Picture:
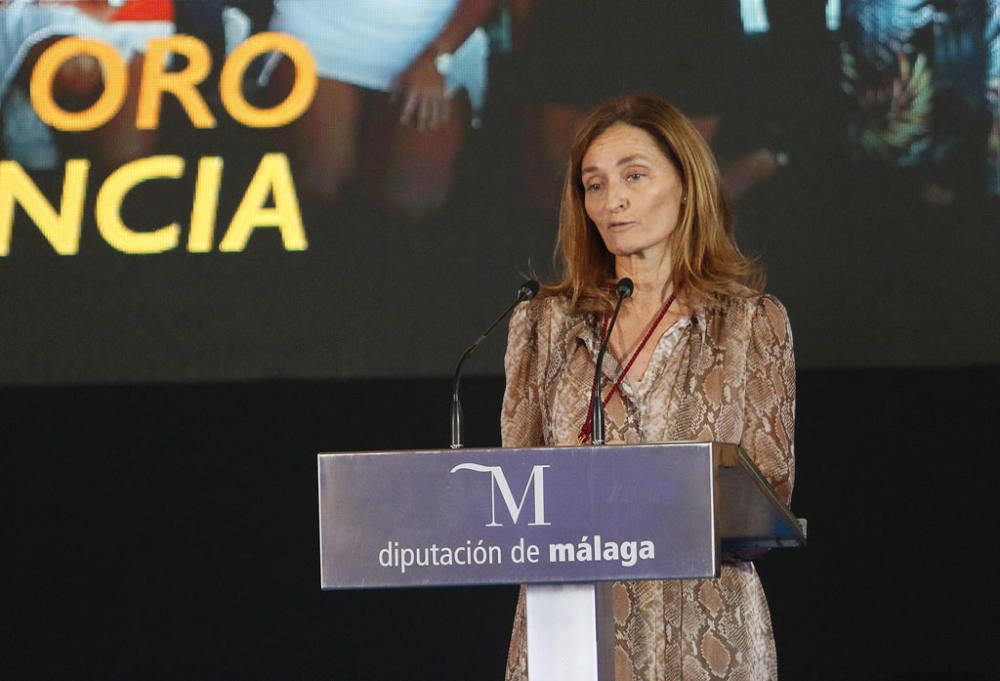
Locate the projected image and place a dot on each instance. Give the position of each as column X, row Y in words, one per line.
column 83, row 102
column 993, row 95
column 691, row 52
column 405, row 77
column 132, row 93
column 254, row 163
column 28, row 30
column 922, row 79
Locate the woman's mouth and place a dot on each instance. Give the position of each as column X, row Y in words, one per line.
column 620, row 225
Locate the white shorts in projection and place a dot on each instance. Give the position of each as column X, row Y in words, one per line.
column 369, row 42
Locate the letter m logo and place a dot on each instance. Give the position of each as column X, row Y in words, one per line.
column 498, row 481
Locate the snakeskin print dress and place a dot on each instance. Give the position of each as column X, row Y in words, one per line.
column 725, row 374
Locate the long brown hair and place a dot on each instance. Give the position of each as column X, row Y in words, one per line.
column 707, row 264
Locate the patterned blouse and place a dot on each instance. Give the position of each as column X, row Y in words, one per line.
column 725, row 374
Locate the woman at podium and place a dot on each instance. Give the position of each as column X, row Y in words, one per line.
column 698, row 352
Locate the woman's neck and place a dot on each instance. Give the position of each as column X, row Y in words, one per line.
column 651, row 278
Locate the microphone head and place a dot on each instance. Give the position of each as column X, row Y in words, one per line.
column 624, row 287
column 528, row 290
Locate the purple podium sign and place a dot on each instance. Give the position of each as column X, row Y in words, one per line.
column 509, row 516
column 557, row 519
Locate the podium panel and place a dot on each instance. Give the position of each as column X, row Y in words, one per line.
column 559, row 519
column 542, row 515
column 507, row 516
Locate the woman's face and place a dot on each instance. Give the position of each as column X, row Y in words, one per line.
column 632, row 191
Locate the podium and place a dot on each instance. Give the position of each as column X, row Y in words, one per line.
column 565, row 521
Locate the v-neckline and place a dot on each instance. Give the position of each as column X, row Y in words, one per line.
column 610, row 369
column 655, row 358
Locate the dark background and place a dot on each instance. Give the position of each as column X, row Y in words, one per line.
column 169, row 532
column 160, row 415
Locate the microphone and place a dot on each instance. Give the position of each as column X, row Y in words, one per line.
column 623, row 290
column 527, row 291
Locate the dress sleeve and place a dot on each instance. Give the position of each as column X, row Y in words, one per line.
column 769, row 411
column 521, row 417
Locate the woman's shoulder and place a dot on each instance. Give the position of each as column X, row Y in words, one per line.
column 551, row 309
column 549, row 321
column 767, row 319
column 764, row 305
column 743, row 316
column 753, row 303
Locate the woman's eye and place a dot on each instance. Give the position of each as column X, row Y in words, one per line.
column 593, row 186
column 632, row 177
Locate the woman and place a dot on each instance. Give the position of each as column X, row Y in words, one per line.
column 706, row 357
column 391, row 69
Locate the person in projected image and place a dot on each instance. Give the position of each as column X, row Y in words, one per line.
column 28, row 28
column 917, row 79
column 699, row 353
column 576, row 53
column 393, row 72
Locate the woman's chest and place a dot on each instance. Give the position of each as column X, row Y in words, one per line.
column 637, row 410
column 693, row 388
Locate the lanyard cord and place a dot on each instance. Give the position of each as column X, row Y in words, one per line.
column 588, row 425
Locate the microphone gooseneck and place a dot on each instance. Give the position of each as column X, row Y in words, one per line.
column 623, row 290
column 527, row 291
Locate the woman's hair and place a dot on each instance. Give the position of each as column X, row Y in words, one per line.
column 707, row 264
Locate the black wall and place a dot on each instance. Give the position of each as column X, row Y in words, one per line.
column 169, row 532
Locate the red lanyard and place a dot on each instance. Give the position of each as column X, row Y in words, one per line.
column 588, row 424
